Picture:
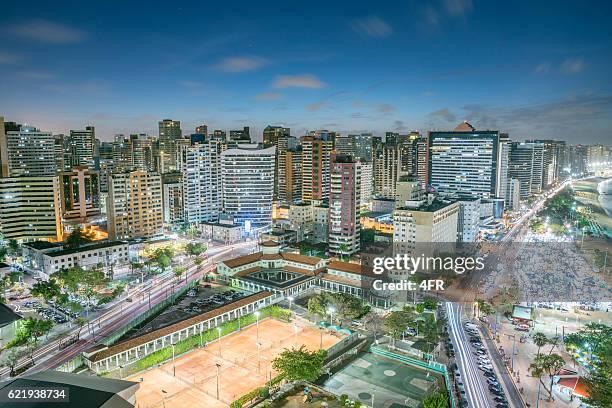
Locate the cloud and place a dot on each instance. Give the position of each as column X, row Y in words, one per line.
column 444, row 114
column 268, row 96
column 45, row 31
column 430, row 16
column 241, row 64
column 372, row 26
column 542, row 68
column 298, row 81
column 7, row 58
column 35, row 75
column 399, row 125
column 458, row 7
column 385, row 108
column 572, row 66
column 313, row 107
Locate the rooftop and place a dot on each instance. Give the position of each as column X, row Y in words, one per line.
column 7, row 315
column 436, row 205
column 39, row 245
column 345, row 267
column 86, row 248
column 83, row 390
column 288, row 256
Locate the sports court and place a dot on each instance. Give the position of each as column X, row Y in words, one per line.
column 241, row 366
column 390, row 383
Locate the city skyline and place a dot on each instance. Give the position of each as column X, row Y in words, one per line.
column 532, row 72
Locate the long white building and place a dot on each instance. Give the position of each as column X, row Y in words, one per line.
column 247, row 176
column 201, row 182
column 27, row 152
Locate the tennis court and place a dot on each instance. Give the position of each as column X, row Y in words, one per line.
column 242, row 365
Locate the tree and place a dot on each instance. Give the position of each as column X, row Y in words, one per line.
column 397, row 322
column 300, row 364
column 546, row 364
column 347, row 306
column 78, row 238
column 80, row 321
column 46, row 290
column 317, row 306
column 10, row 360
column 195, row 249
column 436, row 399
column 13, row 247
column 540, row 340
column 599, row 383
column 90, row 280
column 198, row 261
column 179, row 271
column 430, row 303
column 36, row 328
column 30, row 348
column 344, row 248
column 3, row 253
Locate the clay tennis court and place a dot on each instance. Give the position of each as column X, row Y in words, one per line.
column 242, row 367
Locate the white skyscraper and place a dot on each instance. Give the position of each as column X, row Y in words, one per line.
column 201, row 182
column 247, row 176
column 29, row 152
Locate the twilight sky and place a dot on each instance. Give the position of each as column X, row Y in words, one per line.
column 537, row 69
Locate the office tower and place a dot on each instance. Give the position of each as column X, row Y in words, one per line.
column 201, row 182
column 387, row 169
column 106, row 168
column 247, row 177
column 391, row 138
column 172, row 193
column 134, row 205
column 513, row 194
column 316, row 152
column 58, row 152
column 30, row 208
column 4, row 165
column 219, row 135
column 468, row 162
column 122, row 154
column 344, row 205
column 106, row 150
column 599, row 158
column 408, row 149
column 202, row 130
column 169, row 133
column 367, row 184
column 271, row 134
column 422, row 161
column 345, row 145
column 26, row 151
column 469, row 219
column 241, row 136
column 407, row 189
column 363, row 146
column 81, row 145
column 141, row 152
column 527, row 166
column 578, row 156
column 197, row 138
column 289, row 176
column 80, row 194
column 424, row 222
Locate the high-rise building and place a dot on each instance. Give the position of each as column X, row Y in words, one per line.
column 27, row 152
column 367, row 184
column 82, row 145
column 201, row 182
column 141, row 152
column 387, row 169
column 554, row 152
column 345, row 145
column 344, row 205
column 289, row 176
column 122, row 154
column 422, row 161
column 80, row 194
column 316, row 153
column 578, row 157
column 134, row 205
column 363, row 146
column 468, row 220
column 407, row 189
column 30, row 208
column 513, row 194
column 169, row 132
column 424, row 223
column 219, row 135
column 202, row 130
column 527, row 166
column 271, row 134
column 172, row 193
column 247, row 178
column 468, row 162
column 241, row 136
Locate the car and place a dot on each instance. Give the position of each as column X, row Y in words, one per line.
column 489, row 374
column 128, row 299
column 501, row 405
column 499, row 399
column 492, row 381
column 522, row 327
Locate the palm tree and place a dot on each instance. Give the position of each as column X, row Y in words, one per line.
column 344, row 248
column 540, row 340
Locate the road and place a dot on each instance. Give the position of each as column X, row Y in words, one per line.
column 476, row 389
column 143, row 297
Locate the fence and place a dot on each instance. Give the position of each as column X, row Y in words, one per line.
column 426, row 365
column 116, row 335
column 71, row 365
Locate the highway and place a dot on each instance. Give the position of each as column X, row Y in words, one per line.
column 49, row 356
column 476, row 389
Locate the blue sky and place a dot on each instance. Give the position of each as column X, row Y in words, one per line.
column 534, row 69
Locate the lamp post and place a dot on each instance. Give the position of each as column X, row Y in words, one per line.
column 258, row 356
column 219, row 332
column 218, row 366
column 173, row 364
column 121, row 372
column 257, row 313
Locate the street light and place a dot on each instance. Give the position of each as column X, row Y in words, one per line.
column 173, row 364
column 219, row 332
column 218, row 366
column 257, row 313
